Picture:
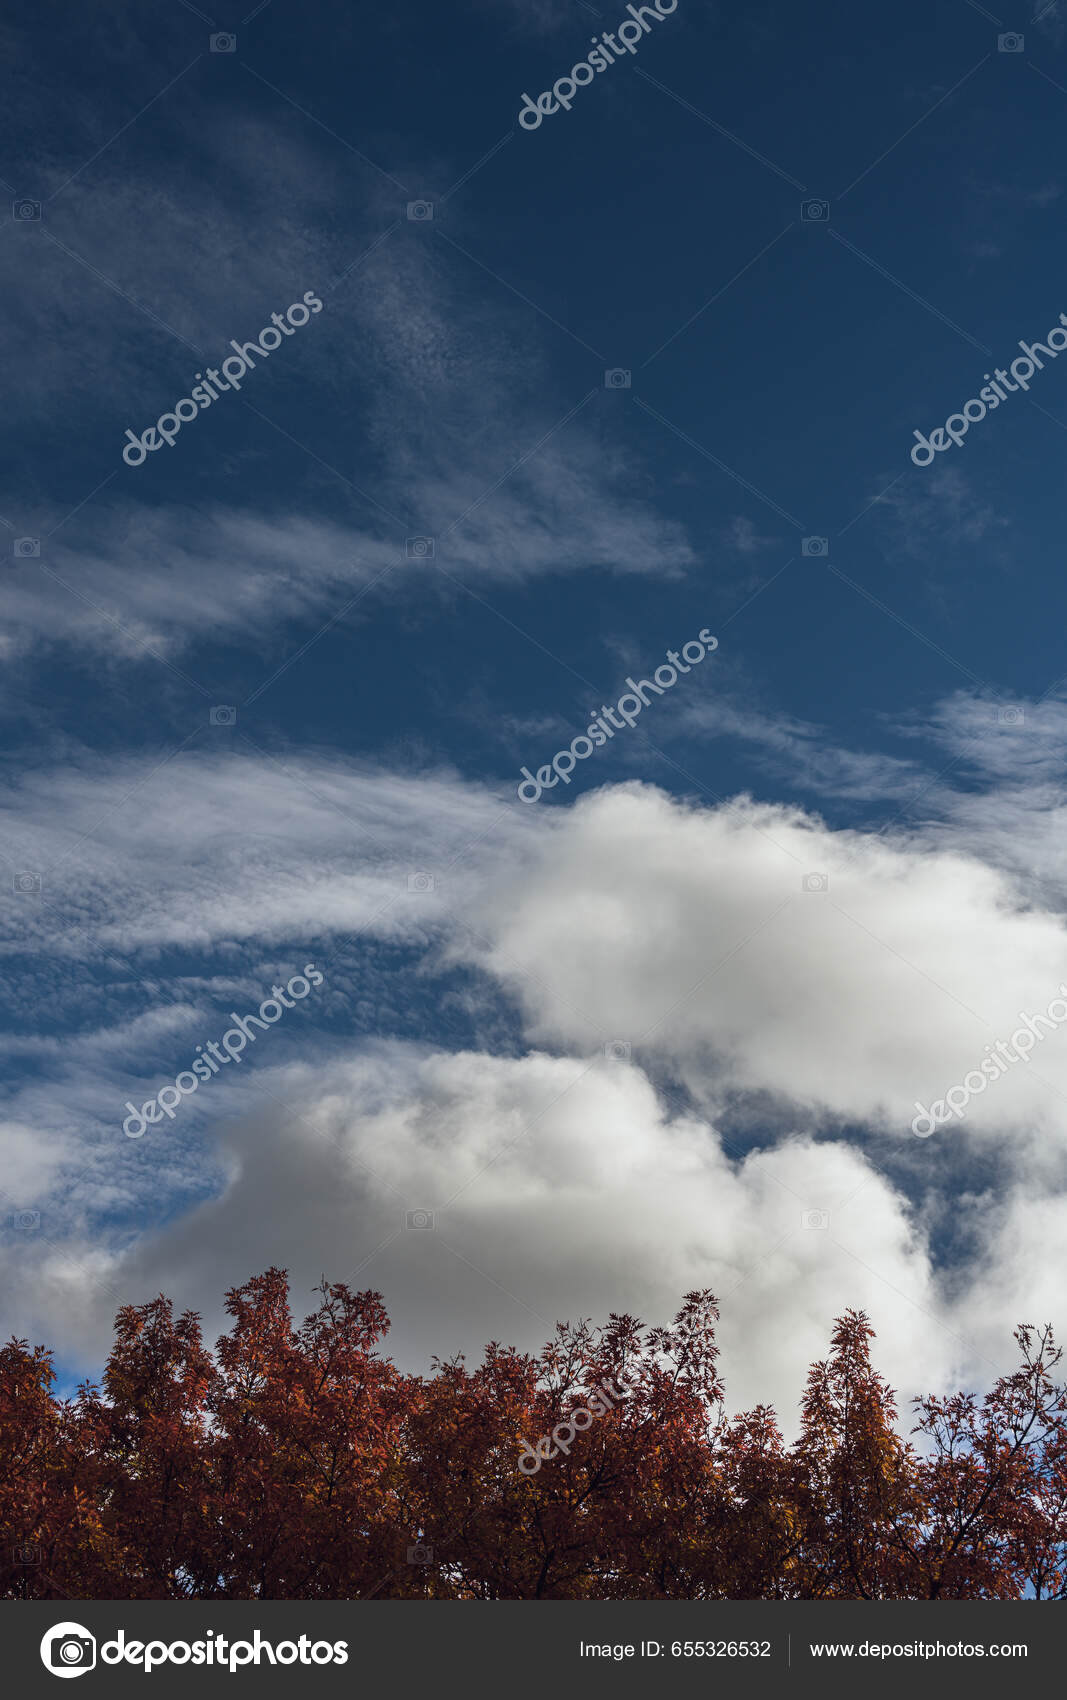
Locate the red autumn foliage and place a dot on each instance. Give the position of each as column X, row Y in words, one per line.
column 300, row 1463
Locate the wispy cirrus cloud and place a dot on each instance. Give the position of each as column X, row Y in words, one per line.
column 435, row 381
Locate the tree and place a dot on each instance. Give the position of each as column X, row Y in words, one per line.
column 995, row 1485
column 857, row 1480
column 298, row 1462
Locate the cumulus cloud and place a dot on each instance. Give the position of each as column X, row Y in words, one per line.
column 686, row 931
column 689, row 932
column 557, row 1189
column 780, row 1036
column 788, row 988
column 1017, row 1267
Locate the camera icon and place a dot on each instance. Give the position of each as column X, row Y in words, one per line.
column 420, row 1220
column 224, row 714
column 815, row 1219
column 25, row 884
column 815, row 882
column 814, row 212
column 421, row 882
column 616, row 378
column 1009, row 716
column 224, row 43
column 1010, row 43
column 421, row 548
column 420, row 212
column 815, row 548
column 26, row 1221
column 24, row 211
column 26, row 548
column 26, row 1555
column 420, row 1554
column 68, row 1649
column 617, row 1048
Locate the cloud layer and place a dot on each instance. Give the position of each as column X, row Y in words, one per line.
column 755, row 1138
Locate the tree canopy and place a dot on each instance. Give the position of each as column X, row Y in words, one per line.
column 298, row 1462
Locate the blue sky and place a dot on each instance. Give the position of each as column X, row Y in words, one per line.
column 611, row 1039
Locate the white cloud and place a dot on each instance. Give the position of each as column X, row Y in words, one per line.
column 1017, row 745
column 559, row 1190
column 802, row 1026
column 437, row 376
column 743, row 535
column 942, row 509
column 1017, row 1271
column 687, row 932
column 214, row 849
column 1001, row 799
column 683, row 930
column 800, row 752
